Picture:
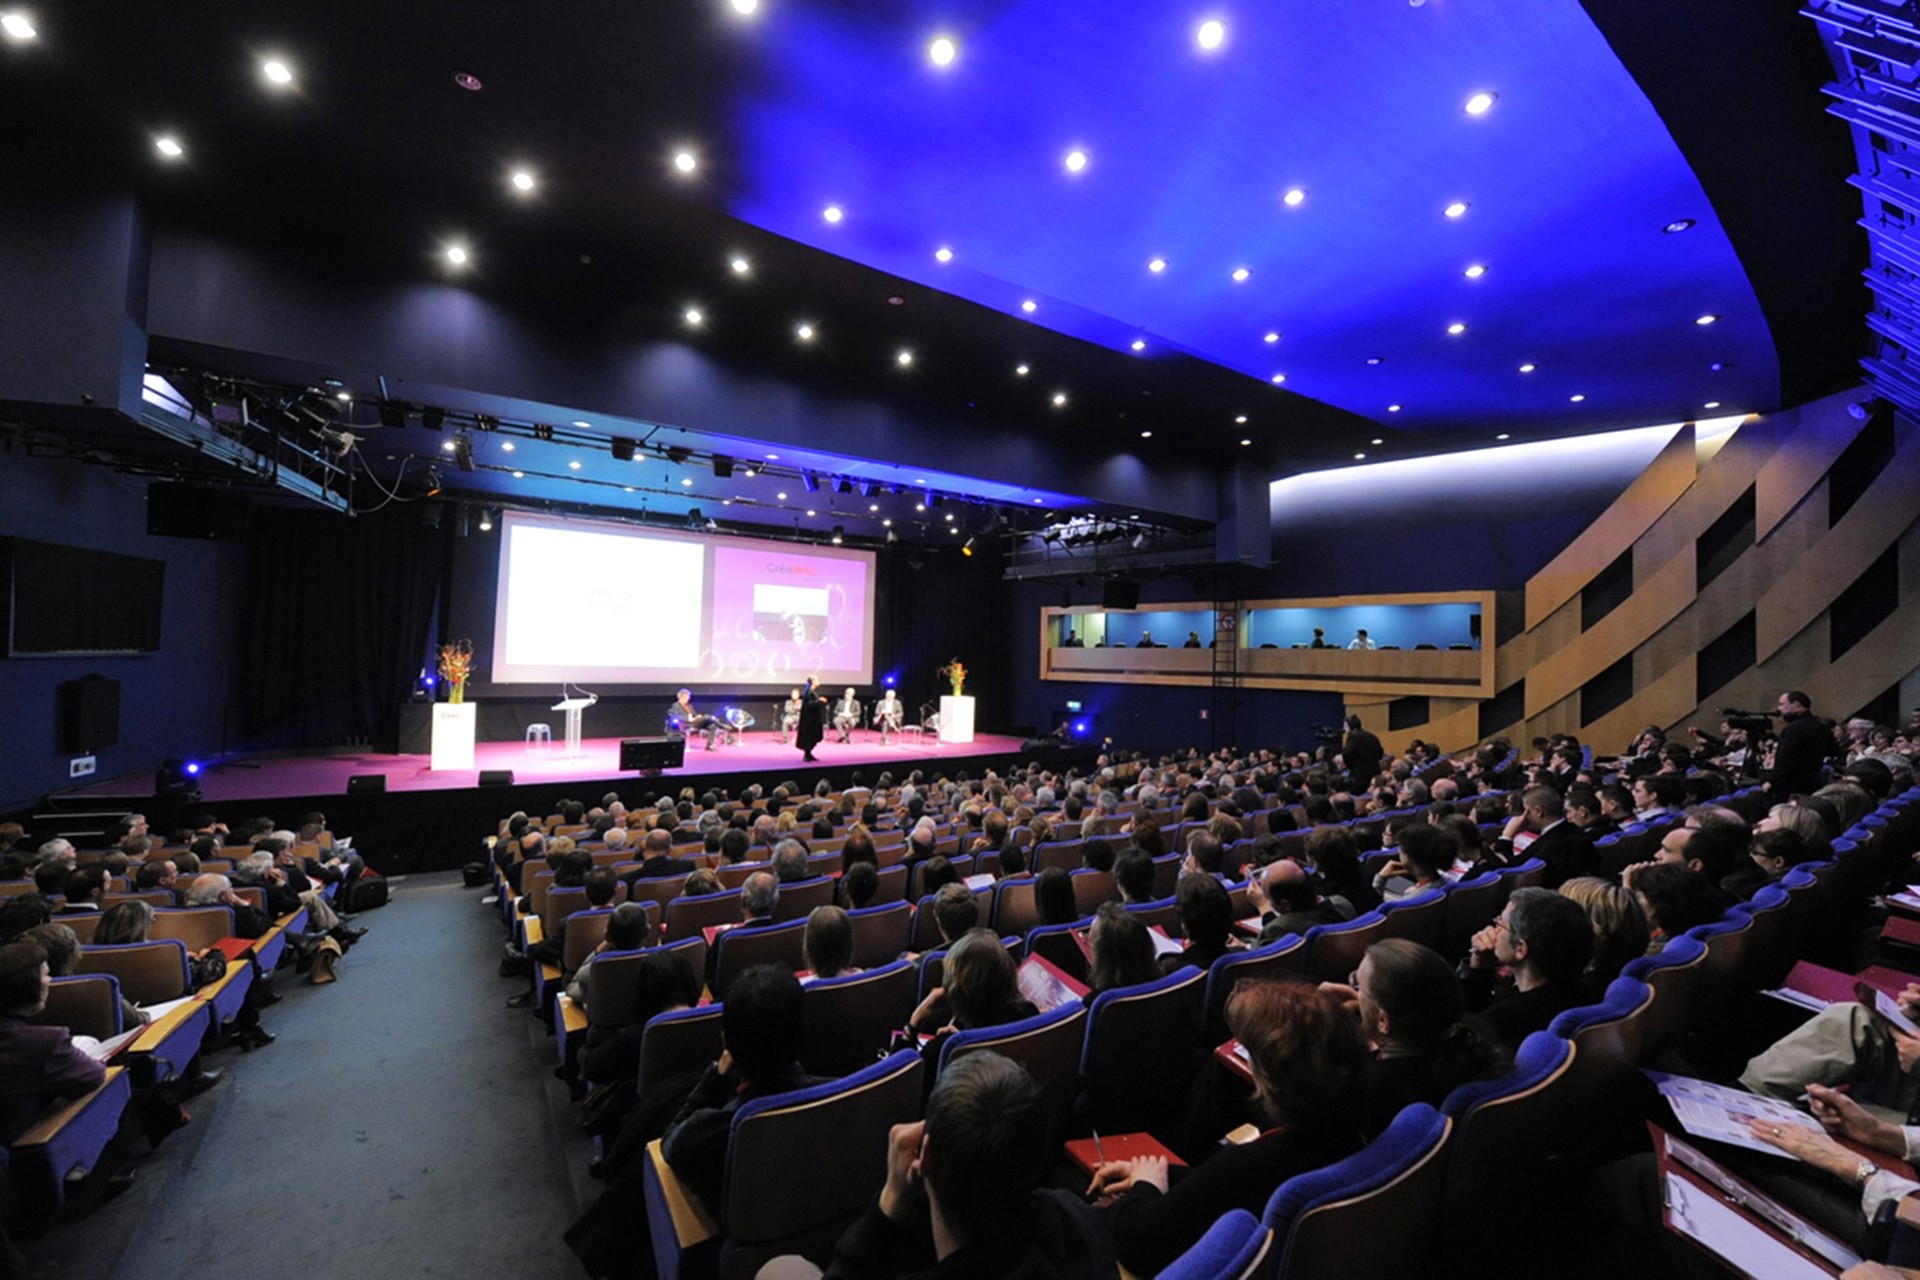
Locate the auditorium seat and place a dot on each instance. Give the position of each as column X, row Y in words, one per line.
column 1066, row 855
column 1048, row 1045
column 799, row 898
column 1505, row 1132
column 1371, row 1216
column 1015, row 908
column 1674, row 974
column 1060, row 946
column 1166, row 874
column 1470, row 904
column 1280, row 958
column 611, row 994
column 83, row 925
column 1092, row 888
column 86, row 1004
column 1143, row 1045
column 658, row 889
column 1419, row 918
column 1769, row 949
column 1235, row 1247
column 880, row 933
column 892, row 886
column 689, row 916
column 850, row 1018
column 1334, row 950
column 771, row 1204
column 1164, row 912
column 66, row 1141
column 742, row 949
column 1609, row 1040
column 678, row 1042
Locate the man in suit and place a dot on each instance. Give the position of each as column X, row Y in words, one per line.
column 846, row 716
column 1800, row 754
column 1362, row 753
column 84, row 891
column 759, row 895
column 1583, row 811
column 1564, row 847
column 1544, row 940
column 1288, row 898
column 216, row 890
column 656, row 858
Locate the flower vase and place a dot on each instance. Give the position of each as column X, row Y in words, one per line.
column 457, row 692
column 957, row 685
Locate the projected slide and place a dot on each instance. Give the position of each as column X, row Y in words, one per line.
column 590, row 601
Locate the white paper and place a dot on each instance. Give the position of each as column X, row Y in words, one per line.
column 1162, row 944
column 1729, row 1236
column 978, row 882
column 101, row 1050
column 1714, row 1111
column 165, row 1007
column 1889, row 1008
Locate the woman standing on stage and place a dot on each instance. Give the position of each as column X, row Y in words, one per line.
column 812, row 727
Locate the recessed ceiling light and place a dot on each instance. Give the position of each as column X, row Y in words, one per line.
column 1456, row 328
column 1244, row 443
column 1139, row 344
column 1456, row 209
column 740, row 265
column 573, row 465
column 1059, row 398
column 887, row 523
column 694, row 316
column 1481, row 103
column 344, row 397
column 1279, row 378
column 1376, row 359
column 1678, row 225
column 1376, row 443
column 1240, row 418
column 1706, row 319
column 1022, row 370
column 1359, row 457
column 457, row 255
column 519, row 475
column 943, row 51
column 750, row 472
column 919, row 506
column 1157, row 265
column 1240, row 275
column 1528, row 368
column 686, row 482
column 506, row 446
column 1503, row 436
column 1393, row 408
column 1474, row 272
column 904, row 357
column 684, row 161
column 1212, row 34
column 832, row 213
column 1146, row 435
column 169, row 146
column 920, row 480
column 943, row 254
column 17, row 26
column 1576, row 397
column 1076, row 160
column 1271, row 337
column 1296, row 196
column 1029, row 306
column 812, row 512
column 1711, row 404
column 873, row 506
column 804, row 333
column 468, row 81
column 448, row 446
column 522, row 180
column 781, row 496
column 583, row 424
column 277, row 72
column 746, row 8
column 949, row 517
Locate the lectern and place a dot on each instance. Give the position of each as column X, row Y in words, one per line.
column 956, row 718
column 573, row 707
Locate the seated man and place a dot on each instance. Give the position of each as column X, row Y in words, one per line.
column 1846, row 1044
column 978, row 1159
column 846, row 716
column 888, row 716
column 216, row 890
column 1288, row 898
column 1545, row 940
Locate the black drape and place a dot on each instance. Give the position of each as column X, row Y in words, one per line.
column 951, row 606
column 334, row 622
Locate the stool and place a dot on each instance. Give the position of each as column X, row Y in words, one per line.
column 539, row 739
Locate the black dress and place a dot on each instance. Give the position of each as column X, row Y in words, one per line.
column 812, row 726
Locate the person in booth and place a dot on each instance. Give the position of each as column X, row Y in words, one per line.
column 846, row 716
column 888, row 715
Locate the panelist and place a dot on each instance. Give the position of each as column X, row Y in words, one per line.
column 691, row 721
column 846, row 716
column 790, row 714
column 887, row 715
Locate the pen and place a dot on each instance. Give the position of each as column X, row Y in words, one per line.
column 1099, row 1152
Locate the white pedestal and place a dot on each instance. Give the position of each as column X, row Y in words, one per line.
column 454, row 726
column 956, row 719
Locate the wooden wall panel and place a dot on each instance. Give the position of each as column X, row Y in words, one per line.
column 1668, row 591
column 1791, row 474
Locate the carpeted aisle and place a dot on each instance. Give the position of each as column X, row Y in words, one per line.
column 406, row 1123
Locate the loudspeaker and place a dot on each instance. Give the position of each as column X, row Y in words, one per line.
column 89, row 714
column 1119, row 593
column 652, row 753
column 359, row 782
column 496, row 777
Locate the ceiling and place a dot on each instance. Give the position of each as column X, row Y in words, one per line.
column 373, row 161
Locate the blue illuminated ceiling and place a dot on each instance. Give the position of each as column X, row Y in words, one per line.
column 1570, row 180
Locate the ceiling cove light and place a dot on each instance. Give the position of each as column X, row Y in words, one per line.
column 1706, row 319
column 1678, row 225
column 1211, row 34
column 169, row 146
column 1457, row 209
column 943, row 254
column 1456, row 328
column 277, row 72
column 18, row 27
column 942, row 51
column 1076, row 161
column 832, row 213
column 1157, row 265
column 1475, row 271
column 522, row 181
column 1059, row 399
column 685, row 162
column 1240, row 275
column 1295, row 197
column 1481, row 103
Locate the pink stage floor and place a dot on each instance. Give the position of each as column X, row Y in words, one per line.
column 755, row 753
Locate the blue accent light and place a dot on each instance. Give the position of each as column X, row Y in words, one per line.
column 1571, row 180
column 193, row 768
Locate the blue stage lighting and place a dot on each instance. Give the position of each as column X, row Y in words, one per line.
column 193, row 767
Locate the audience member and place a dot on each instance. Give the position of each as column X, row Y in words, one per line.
column 1545, row 942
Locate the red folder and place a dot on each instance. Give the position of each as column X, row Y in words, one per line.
column 1901, row 930
column 233, row 948
column 1086, row 1153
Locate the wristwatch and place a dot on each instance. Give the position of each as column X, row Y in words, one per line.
column 1863, row 1171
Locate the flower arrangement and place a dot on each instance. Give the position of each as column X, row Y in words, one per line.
column 956, row 672
column 456, row 664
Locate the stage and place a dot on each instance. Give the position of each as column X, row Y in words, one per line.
column 426, row 819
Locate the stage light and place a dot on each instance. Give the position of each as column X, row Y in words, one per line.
column 176, row 779
column 678, row 454
column 193, row 768
column 1457, row 209
column 457, row 255
column 966, row 548
column 943, row 51
column 18, row 26
column 169, row 147
column 522, row 181
column 804, row 333
column 722, row 466
column 696, row 520
column 844, row 486
column 694, row 317
column 1481, row 103
column 277, row 72
column 1022, row 370
column 839, row 534
column 933, row 500
column 810, row 480
column 685, row 162
column 904, row 358
column 462, row 451
column 622, row 448
column 433, row 482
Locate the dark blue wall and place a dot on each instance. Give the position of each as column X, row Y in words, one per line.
column 171, row 702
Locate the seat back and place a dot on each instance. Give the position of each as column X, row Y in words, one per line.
column 1372, row 1213
column 1609, row 1037
column 1066, row 855
column 1166, row 874
column 1505, row 1130
column 560, row 904
column 850, row 1019
column 765, row 1202
column 148, row 972
column 612, row 994
column 659, row 890
column 1142, row 1045
column 1421, row 918
column 1769, row 951
column 677, row 1043
column 1725, row 942
column 880, row 933
column 1280, row 958
column 1059, row 945
column 1048, row 1045
column 1334, row 950
column 1164, row 912
column 924, row 934
column 1530, row 874
column 582, row 932
column 198, row 927
column 742, row 949
column 1235, row 1247
column 1091, row 888
column 84, row 925
column 1015, row 908
column 688, row 917
column 1470, row 905
column 892, row 886
column 799, row 898
column 86, row 1004
column 1674, row 975
column 152, row 897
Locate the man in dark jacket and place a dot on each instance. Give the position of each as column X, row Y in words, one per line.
column 1362, row 753
column 1801, row 752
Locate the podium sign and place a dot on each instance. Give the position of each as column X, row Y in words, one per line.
column 454, row 727
column 956, row 718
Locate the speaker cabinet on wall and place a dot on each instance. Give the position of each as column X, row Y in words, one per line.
column 1119, row 593
column 496, row 777
column 652, row 753
column 359, row 782
column 89, row 714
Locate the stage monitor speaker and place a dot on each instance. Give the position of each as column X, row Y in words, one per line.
column 89, row 714
column 652, row 753
column 359, row 782
column 1119, row 593
column 496, row 777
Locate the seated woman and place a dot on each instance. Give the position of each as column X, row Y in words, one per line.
column 1774, row 853
column 1426, row 853
column 63, row 954
column 1308, row 1061
column 1206, row 919
column 38, row 1065
column 980, row 987
column 1122, row 950
column 828, row 944
column 1053, row 895
column 1620, row 929
column 1335, row 855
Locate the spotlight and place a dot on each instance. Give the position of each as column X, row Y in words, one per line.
column 695, row 519
column 839, row 534
column 623, row 448
column 486, row 520
column 722, row 466
column 966, row 548
column 434, row 419
column 933, row 500
column 811, row 480
column 392, row 414
column 176, row 779
column 463, row 452
column 678, row 454
column 844, row 486
column 433, row 482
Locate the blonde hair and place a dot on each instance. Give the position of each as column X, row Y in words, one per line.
column 1620, row 930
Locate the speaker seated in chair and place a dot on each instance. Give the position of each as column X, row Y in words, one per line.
column 846, row 716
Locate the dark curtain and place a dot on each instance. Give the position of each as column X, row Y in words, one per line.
column 950, row 606
column 336, row 622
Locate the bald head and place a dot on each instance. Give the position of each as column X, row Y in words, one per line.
column 1289, row 887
